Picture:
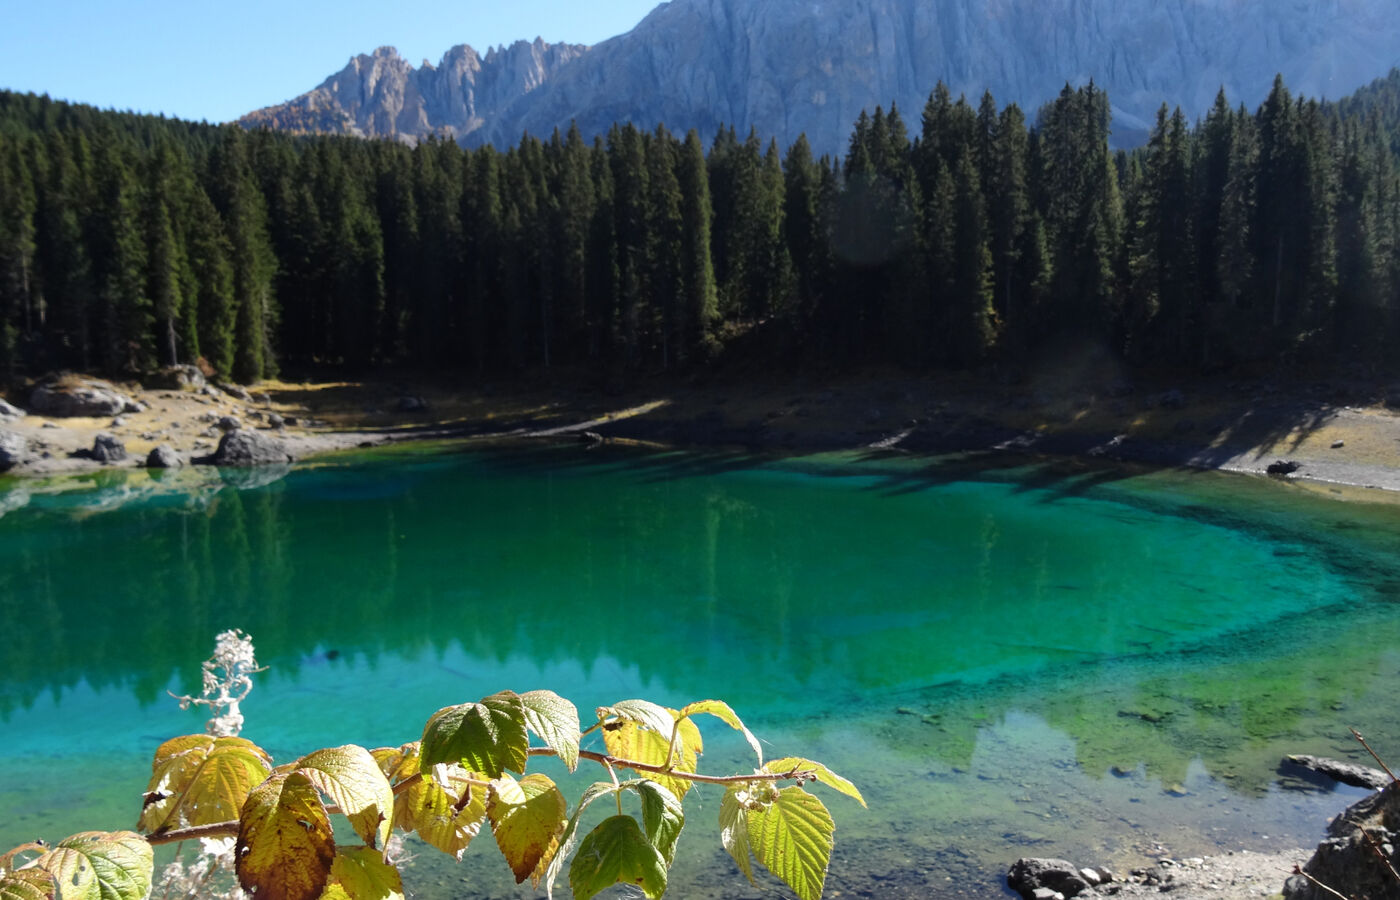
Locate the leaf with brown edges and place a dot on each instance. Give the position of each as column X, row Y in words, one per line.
column 285, row 846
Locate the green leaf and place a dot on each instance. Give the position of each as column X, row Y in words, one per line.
column 361, row 873
column 27, row 884
column 555, row 720
column 285, row 846
column 720, row 710
column 487, row 737
column 201, row 780
column 100, row 865
column 566, row 840
column 734, row 829
column 527, row 818
column 824, row 775
column 658, row 718
column 351, row 778
column 792, row 838
column 628, row 740
column 662, row 817
column 616, row 852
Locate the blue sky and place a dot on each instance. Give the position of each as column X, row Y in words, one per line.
column 217, row 60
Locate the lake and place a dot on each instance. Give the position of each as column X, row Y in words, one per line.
column 1009, row 657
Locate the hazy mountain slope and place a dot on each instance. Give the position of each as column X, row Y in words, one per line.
column 382, row 95
column 787, row 66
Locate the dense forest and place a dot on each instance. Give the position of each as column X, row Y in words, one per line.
column 128, row 242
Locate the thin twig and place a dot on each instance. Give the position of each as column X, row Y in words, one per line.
column 1380, row 762
column 1334, row 893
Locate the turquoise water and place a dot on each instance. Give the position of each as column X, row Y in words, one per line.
column 981, row 650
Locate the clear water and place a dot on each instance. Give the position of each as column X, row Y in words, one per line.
column 1029, row 660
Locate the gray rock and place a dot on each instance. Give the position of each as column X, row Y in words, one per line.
column 14, row 450
column 163, row 457
column 1337, row 445
column 275, row 421
column 118, row 422
column 245, row 447
column 1057, row 875
column 228, row 423
column 178, row 378
column 1347, row 861
column 83, row 398
column 107, row 448
column 7, row 411
column 234, row 390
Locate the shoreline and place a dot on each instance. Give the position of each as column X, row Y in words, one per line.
column 1348, row 445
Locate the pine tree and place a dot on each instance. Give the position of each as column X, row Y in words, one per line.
column 700, row 310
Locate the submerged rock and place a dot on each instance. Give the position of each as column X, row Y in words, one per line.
column 1344, row 772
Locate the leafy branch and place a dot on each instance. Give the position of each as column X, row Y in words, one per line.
column 458, row 779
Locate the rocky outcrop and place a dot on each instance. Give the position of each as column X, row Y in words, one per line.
column 789, row 68
column 245, row 447
column 14, row 450
column 383, row 95
column 1356, row 859
column 69, row 398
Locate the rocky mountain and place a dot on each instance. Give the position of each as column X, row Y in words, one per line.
column 382, row 95
column 793, row 66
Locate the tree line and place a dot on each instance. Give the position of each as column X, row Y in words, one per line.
column 128, row 242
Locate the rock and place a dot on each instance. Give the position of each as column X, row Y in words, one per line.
column 8, row 411
column 177, row 378
column 275, row 421
column 1283, row 467
column 262, row 399
column 412, row 404
column 1347, row 861
column 1029, row 874
column 107, row 448
column 234, row 390
column 1046, row 894
column 14, row 450
column 163, row 457
column 592, row 438
column 228, row 423
column 248, row 448
column 293, row 421
column 77, row 398
column 1172, row 399
column 132, row 406
column 118, row 422
column 1344, row 772
column 1337, row 445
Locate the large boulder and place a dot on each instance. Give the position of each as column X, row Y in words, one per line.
column 163, row 457
column 107, row 448
column 246, row 447
column 1055, row 876
column 14, row 449
column 66, row 398
column 1350, row 861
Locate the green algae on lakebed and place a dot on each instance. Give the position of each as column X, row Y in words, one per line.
column 1008, row 659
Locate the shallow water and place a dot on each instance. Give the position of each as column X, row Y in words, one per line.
column 980, row 649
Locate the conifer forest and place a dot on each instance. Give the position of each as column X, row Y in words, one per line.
column 976, row 233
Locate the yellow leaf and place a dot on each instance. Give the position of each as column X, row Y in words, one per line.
column 201, row 780
column 628, row 740
column 527, row 817
column 285, row 846
column 793, row 837
column 27, row 884
column 351, row 778
column 361, row 873
column 99, row 865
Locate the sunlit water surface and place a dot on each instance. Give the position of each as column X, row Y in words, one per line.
column 1027, row 660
